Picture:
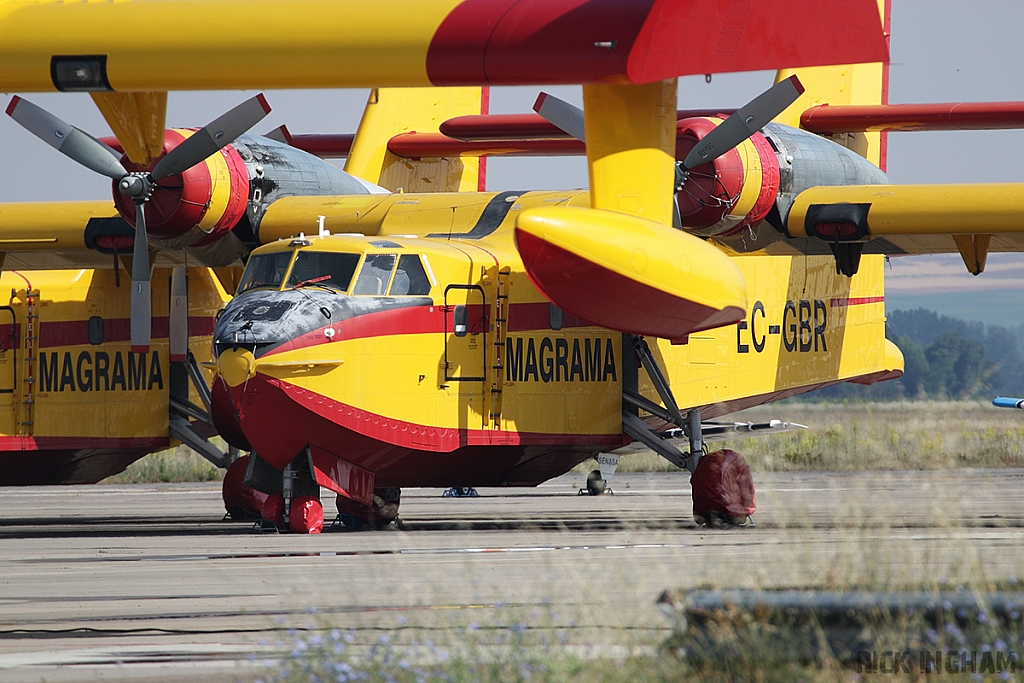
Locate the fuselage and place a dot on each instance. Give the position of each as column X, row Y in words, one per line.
column 423, row 355
column 76, row 404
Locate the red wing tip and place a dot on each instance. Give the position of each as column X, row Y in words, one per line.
column 263, row 103
column 13, row 105
column 797, row 84
column 540, row 102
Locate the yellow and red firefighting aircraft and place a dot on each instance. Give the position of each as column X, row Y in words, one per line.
column 203, row 197
column 424, row 339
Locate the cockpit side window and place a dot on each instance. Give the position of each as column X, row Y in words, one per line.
column 324, row 268
column 265, row 270
column 410, row 278
column 375, row 274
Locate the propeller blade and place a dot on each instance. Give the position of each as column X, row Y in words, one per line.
column 280, row 134
column 141, row 311
column 562, row 114
column 219, row 133
column 66, row 139
column 178, row 316
column 745, row 122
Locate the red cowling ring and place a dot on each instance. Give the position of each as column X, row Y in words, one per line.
column 712, row 188
column 181, row 201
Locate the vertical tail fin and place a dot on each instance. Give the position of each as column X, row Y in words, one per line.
column 391, row 111
column 846, row 84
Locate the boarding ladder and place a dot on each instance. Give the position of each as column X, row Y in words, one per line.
column 31, row 348
column 500, row 333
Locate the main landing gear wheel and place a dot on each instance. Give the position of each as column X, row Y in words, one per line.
column 383, row 512
column 723, row 490
column 243, row 503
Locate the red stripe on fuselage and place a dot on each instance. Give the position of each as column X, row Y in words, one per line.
column 46, row 443
column 115, row 330
column 523, row 317
column 840, row 302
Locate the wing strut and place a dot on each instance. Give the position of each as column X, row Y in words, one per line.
column 638, row 429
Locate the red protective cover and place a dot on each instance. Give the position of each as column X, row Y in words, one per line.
column 307, row 515
column 722, row 483
column 240, row 500
column 273, row 509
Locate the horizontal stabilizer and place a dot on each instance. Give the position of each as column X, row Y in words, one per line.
column 629, row 274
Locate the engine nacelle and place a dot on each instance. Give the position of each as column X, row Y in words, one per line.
column 195, row 209
column 740, row 188
column 734, row 191
column 197, row 206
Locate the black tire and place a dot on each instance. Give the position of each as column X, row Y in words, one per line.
column 595, row 484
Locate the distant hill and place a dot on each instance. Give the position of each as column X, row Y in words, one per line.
column 945, row 357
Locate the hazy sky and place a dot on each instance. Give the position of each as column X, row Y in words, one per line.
column 942, row 51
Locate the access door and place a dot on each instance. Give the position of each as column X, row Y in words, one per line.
column 465, row 333
column 9, row 343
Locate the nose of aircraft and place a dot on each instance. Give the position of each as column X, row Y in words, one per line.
column 236, row 366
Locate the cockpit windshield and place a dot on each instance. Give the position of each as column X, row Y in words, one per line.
column 265, row 270
column 325, row 269
column 328, row 269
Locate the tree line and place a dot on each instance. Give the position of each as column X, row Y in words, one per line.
column 944, row 358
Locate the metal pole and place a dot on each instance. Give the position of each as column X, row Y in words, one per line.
column 696, row 439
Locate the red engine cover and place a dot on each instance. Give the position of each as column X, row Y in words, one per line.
column 708, row 200
column 181, row 202
column 713, row 188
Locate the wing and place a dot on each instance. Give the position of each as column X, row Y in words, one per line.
column 52, row 235
column 972, row 219
column 352, row 43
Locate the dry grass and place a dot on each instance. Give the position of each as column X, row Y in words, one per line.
column 910, row 435
column 173, row 465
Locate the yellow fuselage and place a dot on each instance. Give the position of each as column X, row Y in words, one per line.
column 76, row 405
column 528, row 390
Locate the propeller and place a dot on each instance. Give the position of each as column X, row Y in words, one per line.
column 730, row 133
column 751, row 118
column 560, row 113
column 138, row 186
